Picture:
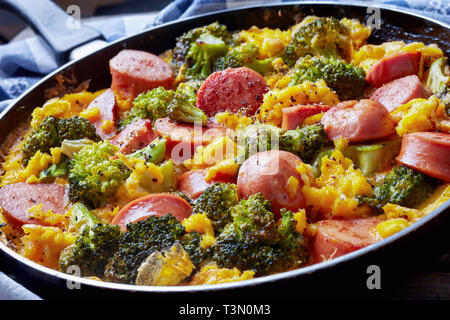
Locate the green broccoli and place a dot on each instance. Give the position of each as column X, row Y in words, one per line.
column 70, row 147
column 155, row 152
column 142, row 239
column 192, row 244
column 94, row 246
column 244, row 55
column 252, row 241
column 196, row 51
column 438, row 81
column 347, row 80
column 304, row 142
column 53, row 131
column 189, row 90
column 94, row 176
column 216, row 202
column 180, row 109
column 324, row 36
column 56, row 170
column 403, row 186
column 149, row 105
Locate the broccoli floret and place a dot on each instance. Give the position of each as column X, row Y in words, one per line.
column 155, row 152
column 346, row 79
column 191, row 243
column 53, row 131
column 403, row 186
column 252, row 241
column 323, row 36
column 140, row 241
column 94, row 176
column 304, row 142
column 244, row 55
column 56, row 170
column 94, row 246
column 180, row 109
column 70, row 147
column 189, row 90
column 439, row 81
column 196, row 51
column 216, row 202
column 148, row 105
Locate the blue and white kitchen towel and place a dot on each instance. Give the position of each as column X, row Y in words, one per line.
column 24, row 62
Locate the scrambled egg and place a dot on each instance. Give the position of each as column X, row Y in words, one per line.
column 207, row 156
column 212, row 274
column 334, row 193
column 270, row 42
column 305, row 93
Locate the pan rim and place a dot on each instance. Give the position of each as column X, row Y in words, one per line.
column 308, row 270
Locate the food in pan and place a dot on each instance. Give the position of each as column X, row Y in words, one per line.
column 234, row 155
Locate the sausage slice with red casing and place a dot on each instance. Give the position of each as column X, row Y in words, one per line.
column 158, row 204
column 135, row 71
column 400, row 91
column 17, row 198
column 427, row 152
column 233, row 89
column 107, row 107
column 293, row 117
column 268, row 172
column 135, row 136
column 393, row 67
column 334, row 238
column 358, row 121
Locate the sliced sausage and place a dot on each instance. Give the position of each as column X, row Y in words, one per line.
column 335, row 238
column 107, row 107
column 358, row 121
column 183, row 139
column 135, row 136
column 268, row 172
column 427, row 152
column 233, row 89
column 393, row 67
column 135, row 71
column 158, row 204
column 193, row 183
column 293, row 117
column 400, row 91
column 17, row 198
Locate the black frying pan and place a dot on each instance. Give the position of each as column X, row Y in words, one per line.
column 337, row 278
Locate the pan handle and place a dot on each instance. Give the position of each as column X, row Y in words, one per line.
column 53, row 24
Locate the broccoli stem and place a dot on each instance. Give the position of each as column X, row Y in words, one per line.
column 155, row 152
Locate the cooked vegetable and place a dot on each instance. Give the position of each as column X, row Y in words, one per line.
column 346, row 79
column 140, row 241
column 198, row 49
column 189, row 90
column 403, row 186
column 182, row 110
column 54, row 171
column 322, row 36
column 53, row 131
column 252, row 241
column 244, row 55
column 94, row 176
column 70, row 147
column 192, row 244
column 216, row 202
column 94, row 246
column 439, row 81
column 155, row 152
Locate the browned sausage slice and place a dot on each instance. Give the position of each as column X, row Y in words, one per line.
column 107, row 107
column 233, row 89
column 358, row 121
column 427, row 152
column 268, row 172
column 335, row 238
column 293, row 117
column 17, row 198
column 158, row 204
column 135, row 71
column 393, row 67
column 400, row 91
column 135, row 136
